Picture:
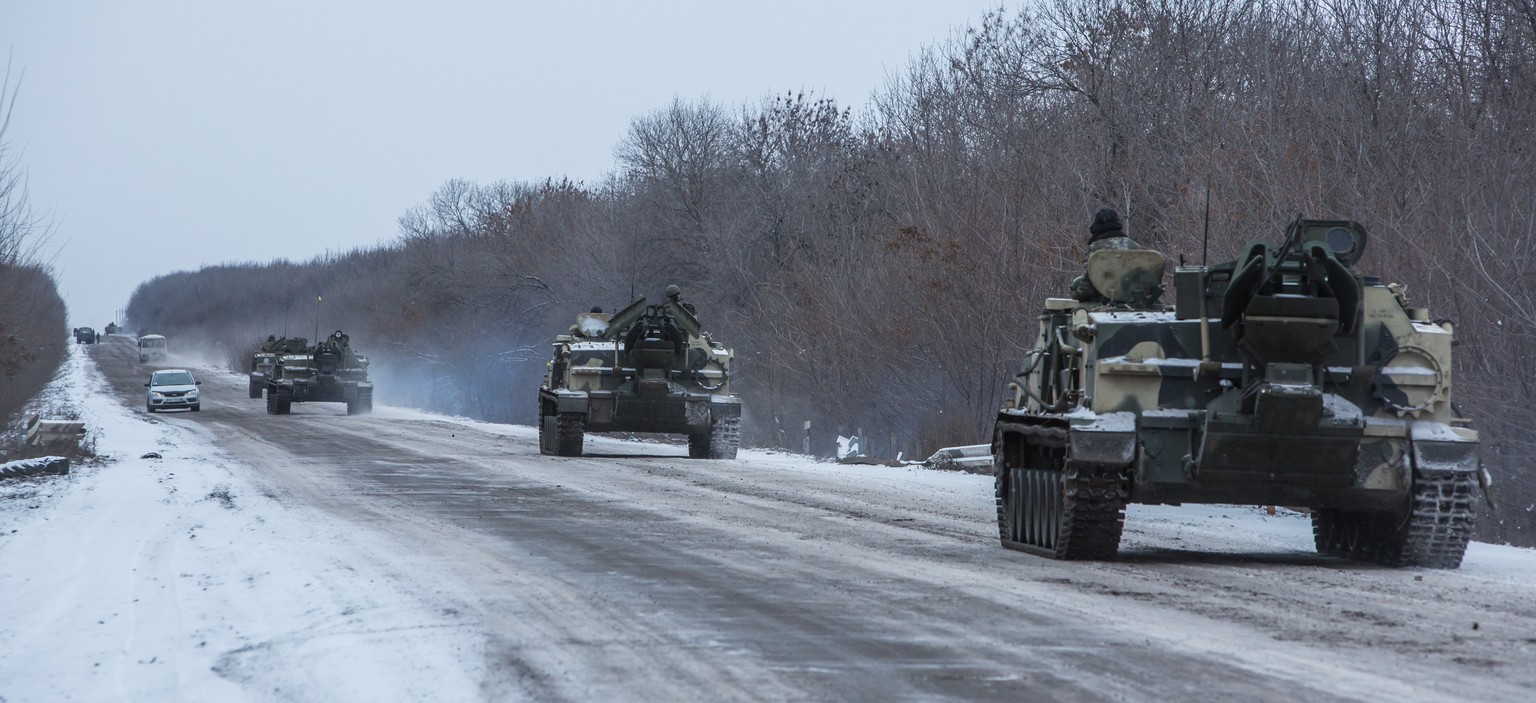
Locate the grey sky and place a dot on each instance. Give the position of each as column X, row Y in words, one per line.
column 164, row 135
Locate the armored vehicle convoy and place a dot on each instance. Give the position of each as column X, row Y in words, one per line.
column 329, row 372
column 646, row 368
column 1283, row 377
column 264, row 359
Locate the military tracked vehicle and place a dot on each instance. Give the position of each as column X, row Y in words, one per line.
column 329, row 372
column 264, row 359
column 646, row 368
column 1283, row 377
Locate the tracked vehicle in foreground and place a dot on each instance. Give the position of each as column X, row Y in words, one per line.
column 1283, row 377
column 646, row 368
column 329, row 372
column 264, row 360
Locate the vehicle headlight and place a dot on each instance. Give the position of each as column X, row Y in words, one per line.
column 156, row 394
column 191, row 394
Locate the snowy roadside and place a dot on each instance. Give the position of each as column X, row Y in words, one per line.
column 197, row 577
column 176, row 578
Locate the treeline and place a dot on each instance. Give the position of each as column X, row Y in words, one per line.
column 32, row 326
column 882, row 270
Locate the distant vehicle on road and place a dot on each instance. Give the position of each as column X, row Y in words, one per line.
column 173, row 388
column 152, row 348
column 329, row 372
column 85, row 335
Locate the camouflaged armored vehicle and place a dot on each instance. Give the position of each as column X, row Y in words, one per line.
column 264, row 359
column 1283, row 377
column 646, row 368
column 329, row 372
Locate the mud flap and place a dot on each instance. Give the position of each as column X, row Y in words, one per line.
column 1108, row 440
column 575, row 402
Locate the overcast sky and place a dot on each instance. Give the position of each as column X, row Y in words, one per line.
column 165, row 135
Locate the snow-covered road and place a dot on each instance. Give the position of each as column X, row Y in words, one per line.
column 403, row 556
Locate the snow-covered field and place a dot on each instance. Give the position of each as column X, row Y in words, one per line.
column 192, row 576
column 169, row 579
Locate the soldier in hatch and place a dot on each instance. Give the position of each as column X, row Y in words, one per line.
column 1106, row 232
column 675, row 295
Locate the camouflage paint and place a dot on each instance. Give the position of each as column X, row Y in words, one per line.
column 1385, row 401
column 590, row 373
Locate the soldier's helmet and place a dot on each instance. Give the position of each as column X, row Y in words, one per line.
column 674, row 291
column 1106, row 223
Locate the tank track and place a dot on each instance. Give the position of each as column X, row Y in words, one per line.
column 362, row 404
column 1075, row 512
column 1436, row 532
column 279, row 400
column 1433, row 534
column 720, row 442
column 1094, row 507
column 725, row 438
column 570, row 429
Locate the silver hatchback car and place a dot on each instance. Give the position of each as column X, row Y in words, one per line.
column 173, row 388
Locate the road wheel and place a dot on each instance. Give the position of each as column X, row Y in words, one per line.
column 1033, row 507
column 570, row 429
column 255, row 389
column 272, row 403
column 149, row 408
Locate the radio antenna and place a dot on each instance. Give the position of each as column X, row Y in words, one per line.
column 1205, row 241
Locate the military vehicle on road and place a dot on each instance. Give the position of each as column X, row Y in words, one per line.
column 1283, row 377
column 264, row 360
column 329, row 372
column 646, row 368
column 85, row 335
